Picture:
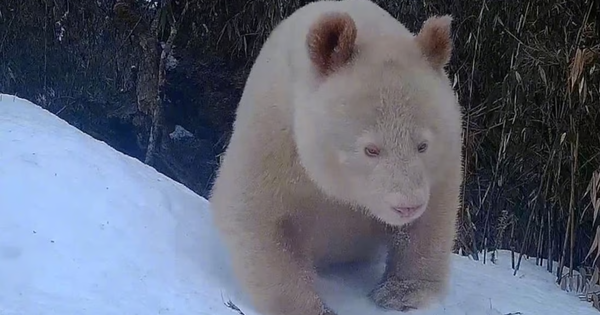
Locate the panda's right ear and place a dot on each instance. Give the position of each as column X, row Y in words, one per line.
column 331, row 42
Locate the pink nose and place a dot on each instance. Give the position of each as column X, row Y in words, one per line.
column 407, row 211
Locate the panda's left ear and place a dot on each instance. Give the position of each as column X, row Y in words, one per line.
column 435, row 40
column 331, row 42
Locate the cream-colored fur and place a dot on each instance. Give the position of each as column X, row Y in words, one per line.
column 347, row 138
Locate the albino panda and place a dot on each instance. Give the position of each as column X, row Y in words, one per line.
column 347, row 138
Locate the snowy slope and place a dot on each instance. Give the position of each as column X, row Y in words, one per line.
column 87, row 230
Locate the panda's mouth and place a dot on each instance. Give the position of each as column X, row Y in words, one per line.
column 409, row 211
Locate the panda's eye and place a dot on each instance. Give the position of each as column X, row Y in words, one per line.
column 372, row 151
column 422, row 147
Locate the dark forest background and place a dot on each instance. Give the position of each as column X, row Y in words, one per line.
column 160, row 81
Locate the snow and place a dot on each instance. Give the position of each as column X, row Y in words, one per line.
column 85, row 229
column 180, row 133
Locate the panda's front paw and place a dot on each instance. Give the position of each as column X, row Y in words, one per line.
column 405, row 295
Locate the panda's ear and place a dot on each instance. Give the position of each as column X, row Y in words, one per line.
column 331, row 42
column 435, row 40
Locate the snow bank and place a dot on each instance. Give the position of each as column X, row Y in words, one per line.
column 87, row 230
